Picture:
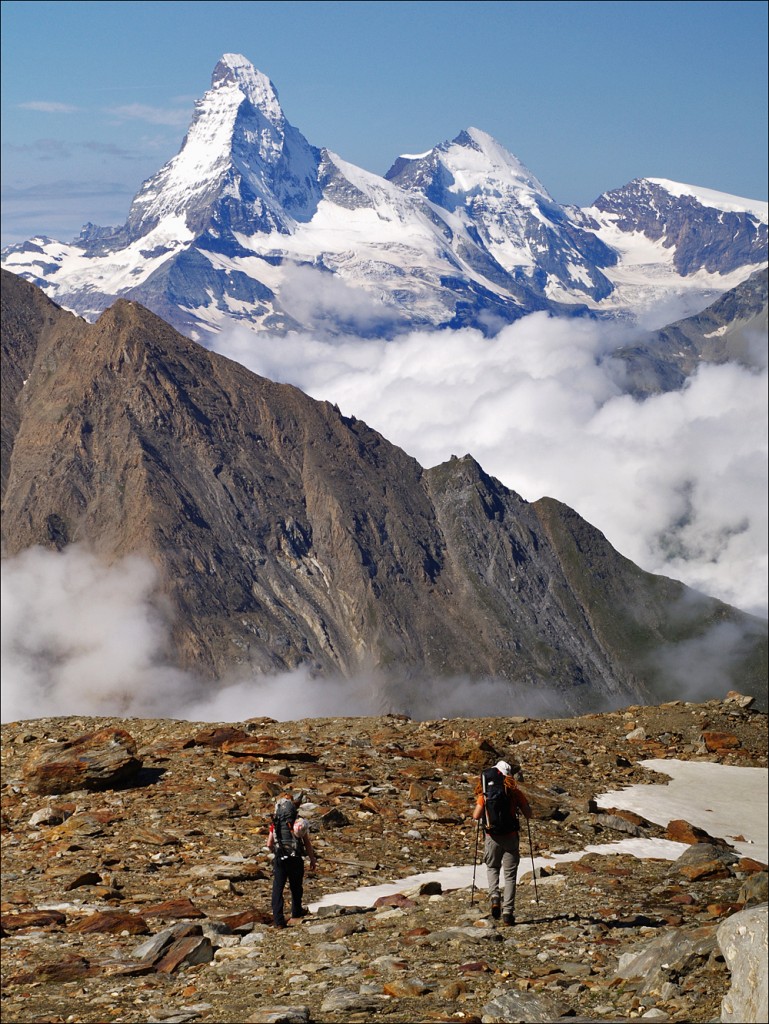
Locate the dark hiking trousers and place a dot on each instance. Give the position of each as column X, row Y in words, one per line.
column 290, row 870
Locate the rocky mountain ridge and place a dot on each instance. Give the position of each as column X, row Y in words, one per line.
column 136, row 884
column 249, row 218
column 732, row 329
column 288, row 536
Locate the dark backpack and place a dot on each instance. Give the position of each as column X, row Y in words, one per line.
column 499, row 817
column 283, row 818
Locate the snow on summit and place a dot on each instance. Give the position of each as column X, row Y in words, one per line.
column 475, row 158
column 248, row 221
column 718, row 200
column 206, row 154
column 256, row 86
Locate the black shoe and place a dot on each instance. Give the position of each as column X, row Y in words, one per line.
column 302, row 913
column 496, row 909
column 508, row 919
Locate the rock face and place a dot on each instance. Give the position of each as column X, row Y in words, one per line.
column 249, row 218
column 743, row 939
column 288, row 535
column 732, row 329
column 150, row 901
column 661, row 210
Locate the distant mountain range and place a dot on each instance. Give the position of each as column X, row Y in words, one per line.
column 288, row 535
column 251, row 224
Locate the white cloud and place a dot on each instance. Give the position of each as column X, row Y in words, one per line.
column 678, row 483
column 49, row 107
column 315, row 296
column 171, row 116
column 80, row 637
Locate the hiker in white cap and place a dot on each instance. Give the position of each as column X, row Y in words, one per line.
column 497, row 804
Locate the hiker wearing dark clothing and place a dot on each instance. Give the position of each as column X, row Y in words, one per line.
column 498, row 803
column 289, row 841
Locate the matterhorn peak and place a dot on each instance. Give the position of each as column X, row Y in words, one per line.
column 241, row 164
column 233, row 70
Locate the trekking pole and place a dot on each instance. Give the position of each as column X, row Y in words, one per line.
column 475, row 861
column 533, row 869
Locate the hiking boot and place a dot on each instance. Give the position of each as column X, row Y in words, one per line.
column 496, row 909
column 508, row 919
column 302, row 913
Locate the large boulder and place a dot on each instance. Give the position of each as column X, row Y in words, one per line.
column 743, row 941
column 97, row 760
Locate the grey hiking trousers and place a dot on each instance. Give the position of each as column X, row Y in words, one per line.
column 502, row 852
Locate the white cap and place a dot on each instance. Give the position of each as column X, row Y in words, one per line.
column 504, row 767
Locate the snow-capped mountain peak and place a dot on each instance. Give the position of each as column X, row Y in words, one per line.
column 239, row 148
column 509, row 213
column 717, row 200
column 250, row 222
column 474, row 157
column 473, row 162
column 236, row 70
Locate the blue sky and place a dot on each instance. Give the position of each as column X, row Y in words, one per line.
column 96, row 96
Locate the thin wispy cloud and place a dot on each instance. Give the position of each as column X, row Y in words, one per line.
column 57, row 149
column 49, row 107
column 169, row 116
column 42, row 149
column 64, row 189
column 111, row 149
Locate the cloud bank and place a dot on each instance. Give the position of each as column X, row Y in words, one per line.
column 83, row 638
column 677, row 482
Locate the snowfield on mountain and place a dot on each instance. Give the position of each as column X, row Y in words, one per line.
column 249, row 218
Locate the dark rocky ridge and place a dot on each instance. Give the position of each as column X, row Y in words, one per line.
column 148, row 899
column 286, row 534
column 731, row 329
column 701, row 237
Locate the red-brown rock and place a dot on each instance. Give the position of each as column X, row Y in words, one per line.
column 451, row 752
column 717, row 741
column 112, row 922
column 749, row 866
column 190, row 950
column 32, row 919
column 173, row 910
column 266, row 747
column 244, row 920
column 70, row 969
column 396, row 900
column 97, row 760
column 711, row 869
column 681, row 831
column 220, row 734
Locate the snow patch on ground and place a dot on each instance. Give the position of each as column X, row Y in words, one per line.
column 725, row 800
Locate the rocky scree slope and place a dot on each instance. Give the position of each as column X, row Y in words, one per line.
column 286, row 534
column 136, row 884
